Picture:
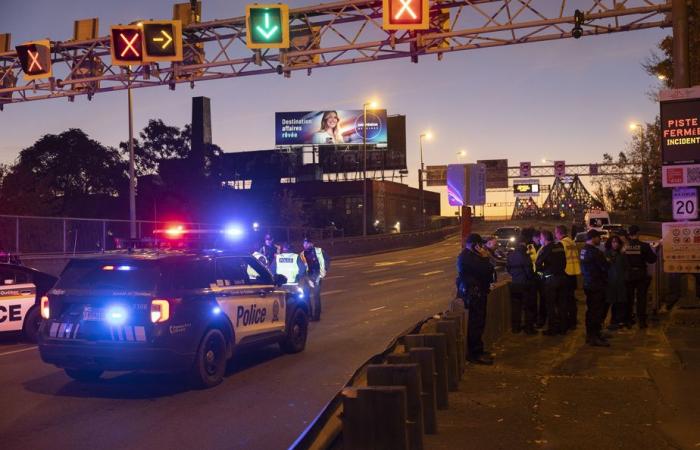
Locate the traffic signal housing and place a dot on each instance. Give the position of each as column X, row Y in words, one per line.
column 35, row 59
column 162, row 40
column 126, row 44
column 406, row 14
column 579, row 18
column 267, row 26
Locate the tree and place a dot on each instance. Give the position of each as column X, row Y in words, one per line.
column 661, row 64
column 158, row 141
column 65, row 174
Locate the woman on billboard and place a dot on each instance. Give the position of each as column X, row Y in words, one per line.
column 329, row 133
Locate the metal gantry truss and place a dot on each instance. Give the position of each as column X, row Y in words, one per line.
column 568, row 197
column 332, row 34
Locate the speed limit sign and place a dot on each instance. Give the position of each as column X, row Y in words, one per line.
column 685, row 204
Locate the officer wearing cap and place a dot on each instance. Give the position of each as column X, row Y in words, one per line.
column 595, row 274
column 316, row 265
column 551, row 263
column 268, row 249
column 638, row 254
column 289, row 264
column 474, row 277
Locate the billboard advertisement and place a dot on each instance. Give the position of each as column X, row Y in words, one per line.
column 331, row 127
column 496, row 173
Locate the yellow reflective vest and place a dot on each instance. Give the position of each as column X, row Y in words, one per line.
column 573, row 264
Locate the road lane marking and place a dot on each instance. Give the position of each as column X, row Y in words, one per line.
column 345, row 264
column 336, row 291
column 441, row 259
column 391, row 280
column 334, row 277
column 427, row 274
column 377, row 270
column 415, row 263
column 389, row 263
column 18, row 351
column 377, row 309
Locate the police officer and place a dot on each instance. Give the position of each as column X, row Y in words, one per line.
column 268, row 249
column 316, row 265
column 523, row 288
column 551, row 264
column 474, row 275
column 638, row 254
column 289, row 264
column 573, row 270
column 595, row 273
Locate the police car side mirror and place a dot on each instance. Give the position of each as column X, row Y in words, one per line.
column 280, row 280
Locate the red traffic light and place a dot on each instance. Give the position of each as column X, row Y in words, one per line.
column 126, row 44
column 35, row 58
column 406, row 14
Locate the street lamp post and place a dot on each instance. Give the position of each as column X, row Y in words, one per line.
column 426, row 135
column 364, row 164
column 132, row 174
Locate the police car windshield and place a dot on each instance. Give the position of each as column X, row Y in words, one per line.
column 503, row 233
column 96, row 274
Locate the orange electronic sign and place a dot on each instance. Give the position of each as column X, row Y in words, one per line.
column 35, row 58
column 406, row 14
column 126, row 44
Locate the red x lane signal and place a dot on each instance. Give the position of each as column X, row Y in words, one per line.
column 406, row 14
column 35, row 58
column 126, row 45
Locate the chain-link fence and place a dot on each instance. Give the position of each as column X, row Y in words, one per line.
column 28, row 235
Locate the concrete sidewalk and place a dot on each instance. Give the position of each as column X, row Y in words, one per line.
column 556, row 392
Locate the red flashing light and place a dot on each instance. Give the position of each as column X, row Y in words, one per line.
column 129, row 45
column 175, row 232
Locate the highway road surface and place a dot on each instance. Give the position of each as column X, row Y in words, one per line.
column 267, row 398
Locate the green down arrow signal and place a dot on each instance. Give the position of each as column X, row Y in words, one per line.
column 268, row 31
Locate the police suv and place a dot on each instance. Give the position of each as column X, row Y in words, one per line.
column 166, row 310
column 21, row 289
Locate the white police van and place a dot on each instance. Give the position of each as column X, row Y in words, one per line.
column 166, row 310
column 20, row 290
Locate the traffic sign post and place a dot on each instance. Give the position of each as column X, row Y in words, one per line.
column 267, row 26
column 35, row 58
column 162, row 41
column 685, row 204
column 126, row 45
column 406, row 14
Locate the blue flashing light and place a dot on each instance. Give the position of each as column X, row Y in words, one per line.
column 125, row 268
column 233, row 232
column 216, row 310
column 300, row 292
column 116, row 315
column 256, row 226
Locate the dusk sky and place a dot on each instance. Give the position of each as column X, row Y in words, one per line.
column 567, row 99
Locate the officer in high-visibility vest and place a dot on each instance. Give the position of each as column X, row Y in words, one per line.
column 288, row 264
column 316, row 265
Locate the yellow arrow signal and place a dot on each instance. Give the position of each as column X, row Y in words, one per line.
column 160, row 39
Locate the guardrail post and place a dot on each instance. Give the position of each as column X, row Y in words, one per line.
column 374, row 418
column 425, row 358
column 459, row 319
column 408, row 376
column 438, row 342
column 449, row 329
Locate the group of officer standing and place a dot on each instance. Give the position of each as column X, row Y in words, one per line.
column 545, row 267
column 305, row 269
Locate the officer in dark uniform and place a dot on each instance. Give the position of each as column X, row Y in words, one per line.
column 474, row 277
column 551, row 264
column 316, row 264
column 269, row 249
column 638, row 254
column 594, row 267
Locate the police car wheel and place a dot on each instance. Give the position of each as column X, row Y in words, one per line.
column 84, row 374
column 30, row 329
column 210, row 361
column 295, row 341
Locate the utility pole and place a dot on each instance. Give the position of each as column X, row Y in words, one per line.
column 132, row 171
column 364, row 169
column 681, row 63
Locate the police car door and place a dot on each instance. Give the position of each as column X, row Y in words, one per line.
column 252, row 309
column 17, row 295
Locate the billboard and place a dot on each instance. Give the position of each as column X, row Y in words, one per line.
column 496, row 173
column 331, row 127
column 526, row 188
column 337, row 159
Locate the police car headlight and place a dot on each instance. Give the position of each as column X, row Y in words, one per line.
column 160, row 310
column 45, row 312
column 116, row 315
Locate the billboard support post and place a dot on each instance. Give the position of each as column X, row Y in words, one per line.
column 364, row 169
column 466, row 224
